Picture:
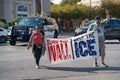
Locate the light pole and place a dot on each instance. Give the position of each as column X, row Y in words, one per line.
column 45, row 8
column 42, row 8
column 90, row 8
column 90, row 3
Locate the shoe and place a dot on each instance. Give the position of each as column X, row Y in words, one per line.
column 105, row 65
column 95, row 65
column 37, row 67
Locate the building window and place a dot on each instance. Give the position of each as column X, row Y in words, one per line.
column 22, row 11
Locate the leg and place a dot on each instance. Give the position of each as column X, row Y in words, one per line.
column 95, row 60
column 102, row 54
column 36, row 60
column 102, row 58
column 37, row 55
column 102, row 61
column 95, row 63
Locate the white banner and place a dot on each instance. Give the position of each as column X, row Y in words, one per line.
column 85, row 46
column 75, row 48
column 59, row 50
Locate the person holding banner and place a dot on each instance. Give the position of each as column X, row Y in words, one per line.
column 99, row 27
column 36, row 40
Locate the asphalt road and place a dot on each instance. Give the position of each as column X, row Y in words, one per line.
column 16, row 63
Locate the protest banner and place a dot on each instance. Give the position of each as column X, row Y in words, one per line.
column 75, row 48
column 59, row 50
column 85, row 46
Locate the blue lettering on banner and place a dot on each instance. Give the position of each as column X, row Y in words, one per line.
column 84, row 48
column 82, row 44
column 89, row 36
column 77, row 49
column 91, row 47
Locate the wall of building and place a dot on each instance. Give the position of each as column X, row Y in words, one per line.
column 8, row 8
column 1, row 9
column 92, row 3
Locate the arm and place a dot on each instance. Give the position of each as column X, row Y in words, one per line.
column 108, row 17
column 30, row 41
column 91, row 28
column 54, row 23
column 107, row 14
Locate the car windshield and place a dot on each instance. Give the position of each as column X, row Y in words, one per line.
column 31, row 21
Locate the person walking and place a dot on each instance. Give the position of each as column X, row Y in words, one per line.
column 36, row 40
column 99, row 27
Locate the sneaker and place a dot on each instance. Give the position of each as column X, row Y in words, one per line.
column 105, row 65
column 95, row 65
column 37, row 67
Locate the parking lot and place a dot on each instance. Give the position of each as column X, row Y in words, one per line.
column 16, row 63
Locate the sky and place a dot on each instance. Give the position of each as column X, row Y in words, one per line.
column 56, row 1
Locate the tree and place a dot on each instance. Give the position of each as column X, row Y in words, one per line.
column 14, row 20
column 113, row 6
column 72, row 12
column 3, row 23
column 3, row 20
column 69, row 2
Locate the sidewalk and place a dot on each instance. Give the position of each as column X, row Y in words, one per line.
column 66, row 35
column 17, row 63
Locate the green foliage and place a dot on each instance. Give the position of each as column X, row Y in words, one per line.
column 82, row 11
column 71, row 11
column 3, row 20
column 113, row 6
column 68, row 12
column 14, row 20
column 3, row 23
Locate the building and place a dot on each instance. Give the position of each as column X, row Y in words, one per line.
column 21, row 8
column 93, row 3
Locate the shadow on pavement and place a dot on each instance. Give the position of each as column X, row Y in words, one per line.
column 112, row 42
column 21, row 45
column 81, row 69
column 32, row 79
column 90, row 70
column 3, row 44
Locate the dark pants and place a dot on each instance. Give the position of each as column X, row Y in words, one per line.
column 37, row 52
column 56, row 34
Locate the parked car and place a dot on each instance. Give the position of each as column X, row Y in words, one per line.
column 3, row 35
column 112, row 29
column 9, row 32
column 25, row 27
column 82, row 30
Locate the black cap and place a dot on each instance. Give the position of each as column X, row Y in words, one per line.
column 97, row 17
